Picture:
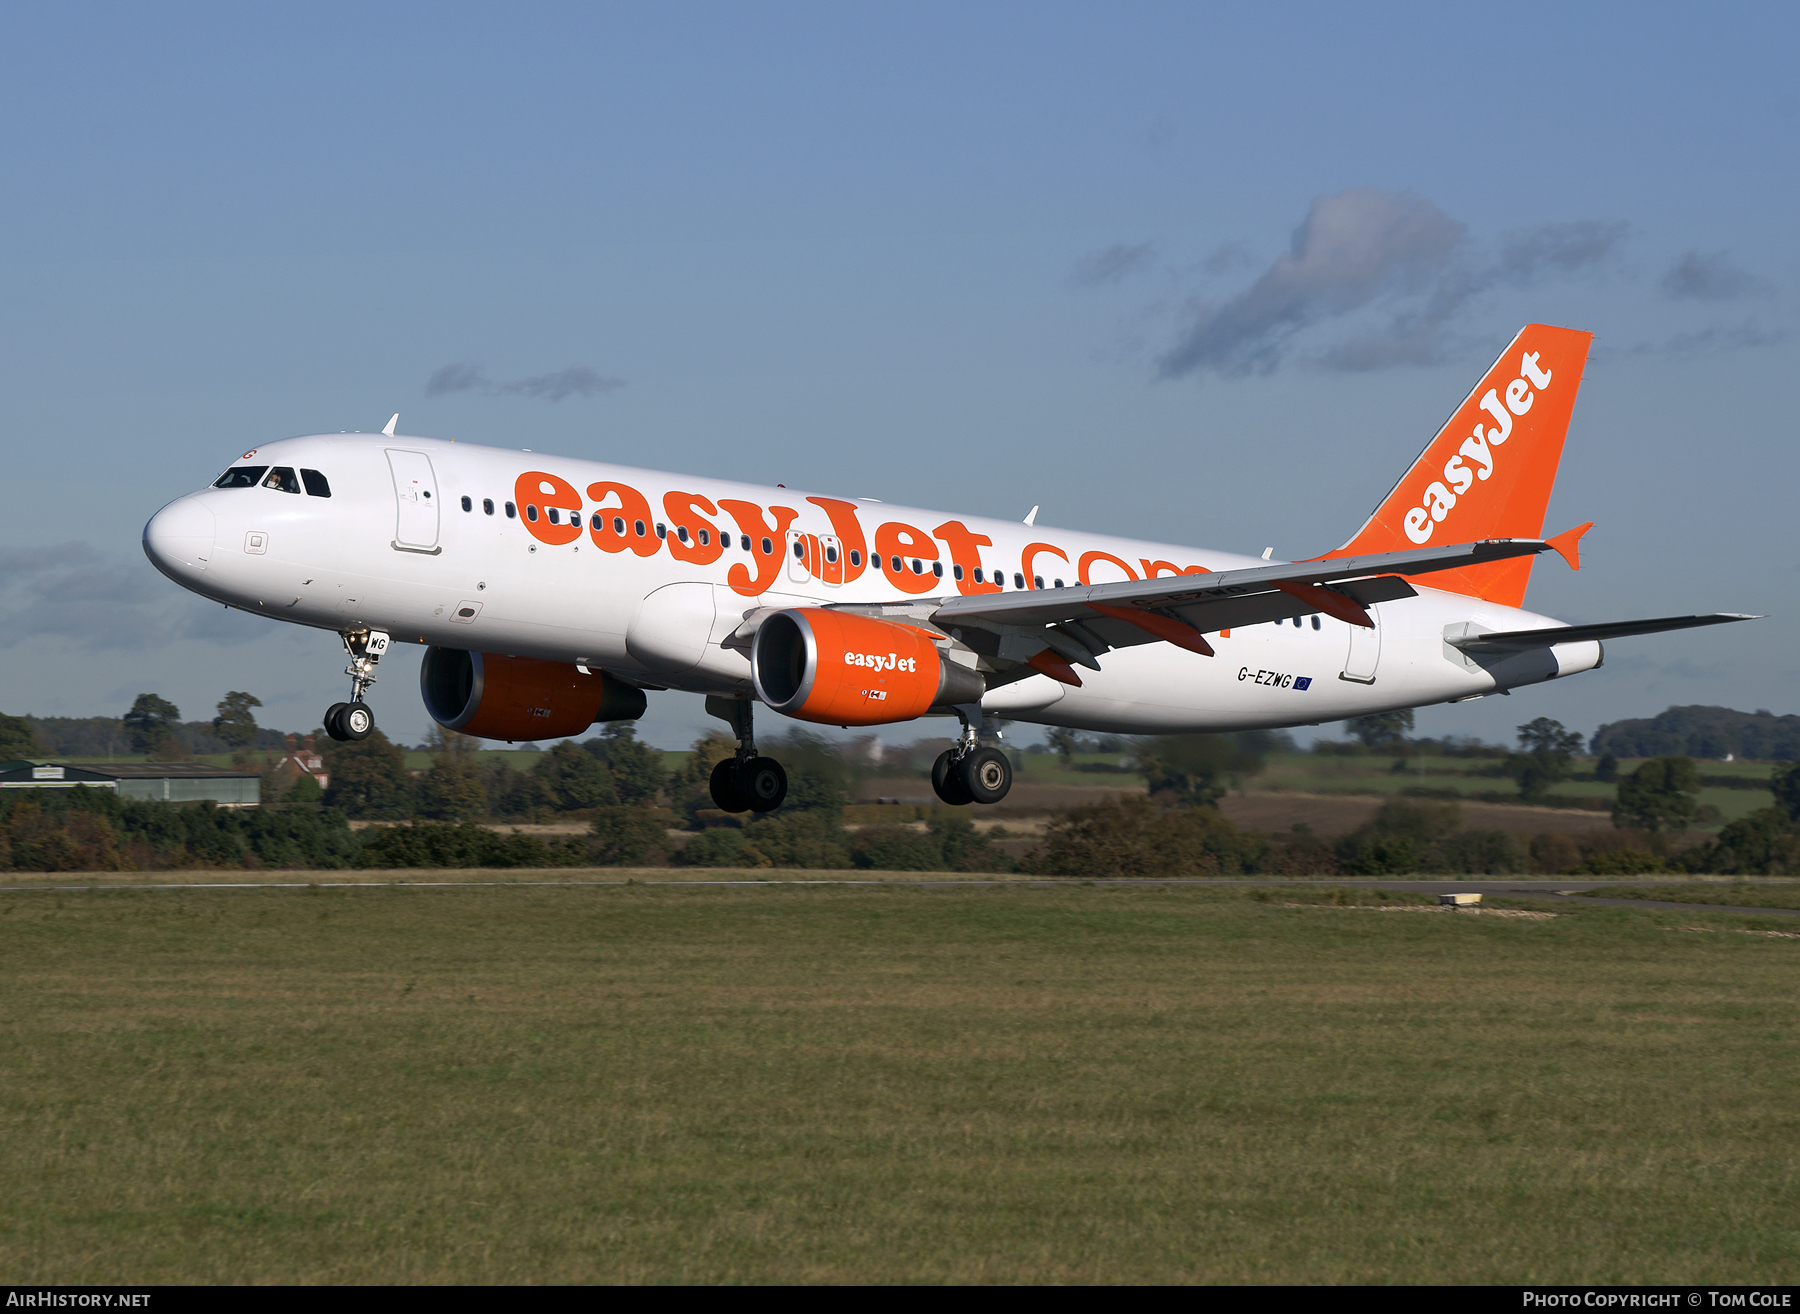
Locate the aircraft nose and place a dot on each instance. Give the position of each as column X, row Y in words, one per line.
column 179, row 538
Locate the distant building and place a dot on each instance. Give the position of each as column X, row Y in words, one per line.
column 172, row 782
column 301, row 760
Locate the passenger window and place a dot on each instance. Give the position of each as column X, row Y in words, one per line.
column 1018, row 580
column 681, row 533
column 282, row 478
column 937, row 568
column 468, row 505
column 662, row 530
column 1037, row 581
column 512, row 512
column 241, row 476
column 768, row 547
column 855, row 557
column 638, row 525
column 831, row 554
column 705, row 538
column 531, row 513
column 918, row 566
column 555, row 516
column 799, row 549
column 317, row 485
column 894, row 562
column 1316, row 623
column 1058, row 583
column 977, row 573
column 619, row 526
column 487, row 506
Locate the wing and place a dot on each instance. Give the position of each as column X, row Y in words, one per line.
column 1014, row 635
column 1503, row 641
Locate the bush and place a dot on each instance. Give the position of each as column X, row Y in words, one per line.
column 1405, row 837
column 1622, row 862
column 1132, row 836
column 721, row 846
column 898, row 848
column 97, row 830
column 1554, row 853
column 1765, row 843
column 464, row 844
column 628, row 837
column 963, row 848
column 812, row 839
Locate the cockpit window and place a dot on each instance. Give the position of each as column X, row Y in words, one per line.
column 241, row 476
column 282, row 477
column 316, row 484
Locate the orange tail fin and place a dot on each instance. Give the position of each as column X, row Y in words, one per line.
column 1489, row 471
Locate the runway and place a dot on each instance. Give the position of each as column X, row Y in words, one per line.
column 1569, row 891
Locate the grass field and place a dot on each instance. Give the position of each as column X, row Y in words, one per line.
column 1737, row 894
column 875, row 1085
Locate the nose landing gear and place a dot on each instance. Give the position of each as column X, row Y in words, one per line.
column 745, row 783
column 356, row 719
column 972, row 772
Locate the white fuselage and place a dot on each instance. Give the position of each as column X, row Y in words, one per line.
column 392, row 548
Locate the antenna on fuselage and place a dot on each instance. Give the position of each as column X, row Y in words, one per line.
column 389, row 431
column 1032, row 518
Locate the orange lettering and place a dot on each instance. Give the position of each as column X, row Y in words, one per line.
column 626, row 525
column 1031, row 555
column 849, row 533
column 907, row 543
column 1089, row 558
column 683, row 509
column 768, row 564
column 536, row 492
column 965, row 551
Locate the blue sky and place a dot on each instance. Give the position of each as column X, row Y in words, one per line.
column 972, row 256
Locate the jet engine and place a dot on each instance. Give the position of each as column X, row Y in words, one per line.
column 520, row 698
column 838, row 668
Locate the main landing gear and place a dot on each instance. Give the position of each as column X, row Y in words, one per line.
column 972, row 772
column 745, row 783
column 355, row 719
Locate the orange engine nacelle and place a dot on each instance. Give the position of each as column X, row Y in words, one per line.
column 493, row 696
column 842, row 669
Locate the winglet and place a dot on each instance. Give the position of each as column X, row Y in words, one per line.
column 1568, row 543
column 389, row 431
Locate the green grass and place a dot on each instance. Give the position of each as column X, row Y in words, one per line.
column 1321, row 773
column 876, row 1085
column 1759, row 895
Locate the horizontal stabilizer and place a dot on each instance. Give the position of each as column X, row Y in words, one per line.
column 1513, row 640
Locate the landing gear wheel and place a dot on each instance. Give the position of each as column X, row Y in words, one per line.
column 948, row 782
column 332, row 727
column 356, row 720
column 724, row 789
column 986, row 774
column 762, row 781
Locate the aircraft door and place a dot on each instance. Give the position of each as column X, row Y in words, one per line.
column 415, row 491
column 829, row 564
column 814, row 556
column 1365, row 651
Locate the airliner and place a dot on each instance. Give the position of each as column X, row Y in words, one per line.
column 552, row 593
